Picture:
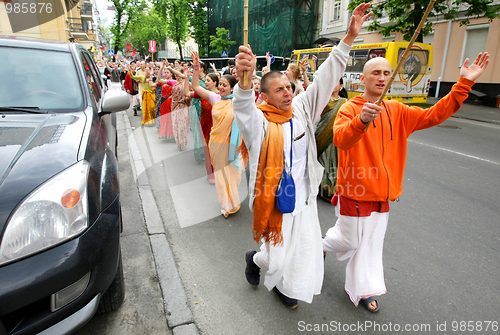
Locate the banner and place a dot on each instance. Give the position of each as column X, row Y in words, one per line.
column 152, row 46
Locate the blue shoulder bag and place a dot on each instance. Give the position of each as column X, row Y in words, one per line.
column 285, row 194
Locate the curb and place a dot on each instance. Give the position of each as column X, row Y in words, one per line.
column 178, row 314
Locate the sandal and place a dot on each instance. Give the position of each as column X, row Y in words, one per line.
column 366, row 302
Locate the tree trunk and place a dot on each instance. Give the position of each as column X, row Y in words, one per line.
column 179, row 45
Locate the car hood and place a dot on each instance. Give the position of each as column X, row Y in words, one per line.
column 33, row 148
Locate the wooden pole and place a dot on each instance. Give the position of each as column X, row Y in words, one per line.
column 245, row 37
column 405, row 53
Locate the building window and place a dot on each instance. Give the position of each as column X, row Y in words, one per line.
column 474, row 42
column 391, row 38
column 335, row 10
column 429, row 39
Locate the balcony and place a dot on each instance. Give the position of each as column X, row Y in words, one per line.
column 86, row 12
column 77, row 28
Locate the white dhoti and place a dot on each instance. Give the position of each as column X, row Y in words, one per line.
column 362, row 240
column 116, row 86
column 296, row 266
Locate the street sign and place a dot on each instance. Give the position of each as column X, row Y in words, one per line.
column 223, row 53
column 111, row 53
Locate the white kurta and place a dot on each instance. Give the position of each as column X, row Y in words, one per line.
column 296, row 266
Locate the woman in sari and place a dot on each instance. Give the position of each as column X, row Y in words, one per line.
column 157, row 86
column 180, row 111
column 225, row 138
column 148, row 99
column 195, row 113
column 205, row 120
column 166, row 130
column 327, row 152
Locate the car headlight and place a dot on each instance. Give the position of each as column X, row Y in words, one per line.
column 55, row 212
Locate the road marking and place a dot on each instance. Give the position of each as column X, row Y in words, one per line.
column 456, row 152
column 494, row 125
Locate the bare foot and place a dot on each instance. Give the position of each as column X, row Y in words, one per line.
column 372, row 305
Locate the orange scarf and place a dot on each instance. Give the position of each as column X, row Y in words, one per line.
column 267, row 218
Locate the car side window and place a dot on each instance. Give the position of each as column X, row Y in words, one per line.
column 92, row 81
column 95, row 71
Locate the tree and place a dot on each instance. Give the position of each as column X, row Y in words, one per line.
column 106, row 33
column 144, row 27
column 176, row 14
column 199, row 26
column 406, row 15
column 125, row 10
column 220, row 42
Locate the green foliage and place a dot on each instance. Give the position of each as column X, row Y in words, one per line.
column 220, row 42
column 125, row 10
column 405, row 16
column 199, row 26
column 106, row 33
column 144, row 27
column 176, row 14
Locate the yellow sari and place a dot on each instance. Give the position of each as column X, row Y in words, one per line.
column 148, row 107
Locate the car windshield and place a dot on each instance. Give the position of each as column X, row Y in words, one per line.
column 39, row 78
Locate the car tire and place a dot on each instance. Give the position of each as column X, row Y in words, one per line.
column 115, row 294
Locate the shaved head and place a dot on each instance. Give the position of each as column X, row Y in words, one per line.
column 376, row 75
column 378, row 62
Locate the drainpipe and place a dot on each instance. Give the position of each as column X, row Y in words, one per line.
column 444, row 59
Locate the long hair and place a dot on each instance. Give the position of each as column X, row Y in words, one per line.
column 232, row 80
column 215, row 78
column 295, row 71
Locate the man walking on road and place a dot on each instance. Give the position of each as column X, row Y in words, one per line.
column 372, row 143
column 279, row 133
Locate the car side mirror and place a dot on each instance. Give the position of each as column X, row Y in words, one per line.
column 114, row 101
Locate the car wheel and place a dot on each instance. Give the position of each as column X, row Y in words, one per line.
column 114, row 295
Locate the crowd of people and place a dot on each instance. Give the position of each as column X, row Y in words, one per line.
column 283, row 127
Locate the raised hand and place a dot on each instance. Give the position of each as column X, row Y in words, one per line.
column 473, row 71
column 195, row 58
column 245, row 61
column 357, row 19
column 304, row 64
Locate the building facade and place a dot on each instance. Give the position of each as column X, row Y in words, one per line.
column 72, row 21
column 452, row 45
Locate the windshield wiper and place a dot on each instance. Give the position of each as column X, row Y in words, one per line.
column 34, row 110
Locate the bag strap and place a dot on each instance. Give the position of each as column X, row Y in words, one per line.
column 291, row 147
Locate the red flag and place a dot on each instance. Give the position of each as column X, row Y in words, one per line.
column 133, row 53
column 128, row 46
column 102, row 48
column 152, row 46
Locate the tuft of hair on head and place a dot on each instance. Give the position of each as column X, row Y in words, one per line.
column 265, row 81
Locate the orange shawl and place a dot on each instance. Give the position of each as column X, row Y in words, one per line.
column 267, row 218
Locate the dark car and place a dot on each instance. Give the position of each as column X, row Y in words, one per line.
column 60, row 218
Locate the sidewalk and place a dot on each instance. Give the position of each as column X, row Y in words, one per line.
column 474, row 112
column 177, row 312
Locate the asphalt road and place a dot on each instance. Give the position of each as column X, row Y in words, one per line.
column 440, row 257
